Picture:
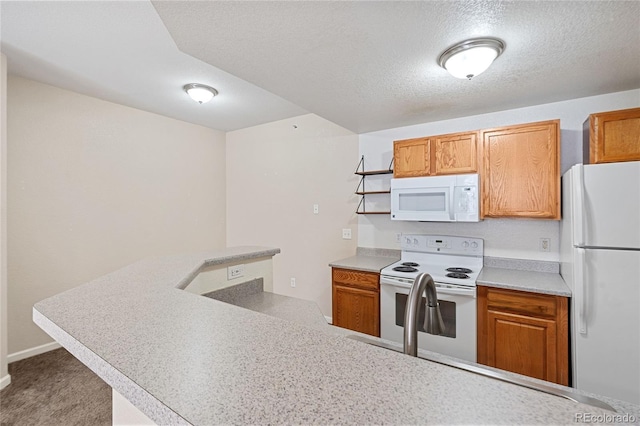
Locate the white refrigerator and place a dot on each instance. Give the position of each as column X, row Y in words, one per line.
column 600, row 261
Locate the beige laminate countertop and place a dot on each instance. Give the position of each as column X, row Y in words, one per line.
column 364, row 263
column 513, row 279
column 531, row 281
column 183, row 358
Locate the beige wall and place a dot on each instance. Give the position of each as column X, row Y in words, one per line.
column 4, row 373
column 275, row 174
column 94, row 186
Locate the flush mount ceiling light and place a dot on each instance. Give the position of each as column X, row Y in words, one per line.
column 472, row 57
column 199, row 92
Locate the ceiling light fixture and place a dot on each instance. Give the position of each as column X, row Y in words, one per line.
column 472, row 57
column 200, row 92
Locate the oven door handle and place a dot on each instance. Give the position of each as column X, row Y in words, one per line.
column 405, row 286
column 471, row 292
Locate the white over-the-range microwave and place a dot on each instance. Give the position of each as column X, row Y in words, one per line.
column 452, row 198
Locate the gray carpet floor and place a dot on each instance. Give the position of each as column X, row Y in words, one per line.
column 54, row 389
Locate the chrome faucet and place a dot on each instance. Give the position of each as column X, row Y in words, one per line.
column 433, row 323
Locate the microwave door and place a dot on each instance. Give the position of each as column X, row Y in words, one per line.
column 422, row 204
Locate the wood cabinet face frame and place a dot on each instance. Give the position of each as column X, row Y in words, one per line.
column 356, row 300
column 519, row 166
column 527, row 333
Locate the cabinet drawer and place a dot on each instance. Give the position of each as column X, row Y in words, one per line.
column 526, row 303
column 365, row 280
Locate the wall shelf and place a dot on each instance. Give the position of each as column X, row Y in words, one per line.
column 360, row 190
column 374, row 172
column 373, row 192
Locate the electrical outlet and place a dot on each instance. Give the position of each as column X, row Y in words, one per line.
column 315, row 209
column 346, row 234
column 398, row 237
column 293, row 282
column 235, row 271
column 545, row 244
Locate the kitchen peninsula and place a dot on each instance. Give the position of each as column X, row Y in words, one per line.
column 181, row 358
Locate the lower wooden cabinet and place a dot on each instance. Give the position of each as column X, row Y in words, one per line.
column 356, row 300
column 526, row 333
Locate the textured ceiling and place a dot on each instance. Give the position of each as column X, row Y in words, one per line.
column 363, row 65
column 372, row 65
column 121, row 52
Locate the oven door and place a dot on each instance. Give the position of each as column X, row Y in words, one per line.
column 458, row 307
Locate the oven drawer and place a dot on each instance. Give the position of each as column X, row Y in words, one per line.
column 364, row 280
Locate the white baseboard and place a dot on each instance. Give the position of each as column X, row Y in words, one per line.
column 329, row 319
column 4, row 382
column 28, row 353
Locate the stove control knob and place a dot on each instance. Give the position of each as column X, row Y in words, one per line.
column 407, row 240
column 415, row 241
column 474, row 245
column 465, row 244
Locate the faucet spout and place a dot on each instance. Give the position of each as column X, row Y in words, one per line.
column 433, row 323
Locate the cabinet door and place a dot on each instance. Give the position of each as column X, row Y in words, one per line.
column 412, row 157
column 521, row 176
column 456, row 153
column 356, row 309
column 614, row 136
column 522, row 344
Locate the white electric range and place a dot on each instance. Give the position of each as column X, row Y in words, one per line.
column 454, row 264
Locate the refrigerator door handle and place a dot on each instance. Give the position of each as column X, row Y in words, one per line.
column 578, row 212
column 581, row 290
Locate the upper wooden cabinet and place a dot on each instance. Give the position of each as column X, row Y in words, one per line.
column 521, row 173
column 612, row 136
column 455, row 153
column 412, row 157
